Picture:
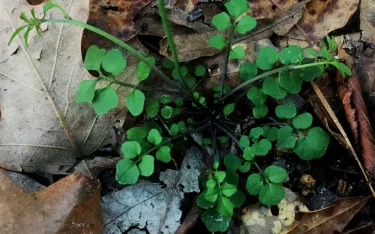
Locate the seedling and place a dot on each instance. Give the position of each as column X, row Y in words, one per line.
column 279, row 73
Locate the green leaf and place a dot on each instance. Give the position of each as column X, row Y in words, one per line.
column 307, row 73
column 135, row 102
column 143, row 70
column 254, row 184
column 272, row 87
column 220, row 176
column 182, row 126
column 271, row 194
column 276, row 174
column 174, row 129
column 232, row 162
column 206, row 141
column 245, row 167
column 202, row 201
column 183, row 71
column 166, row 112
column 291, row 83
column 48, row 6
column 104, row 100
column 312, row 51
column 228, row 189
column 248, row 71
column 244, row 141
column 267, row 56
column 255, row 133
column 325, row 54
column 221, row 21
column 262, row 147
column 216, row 163
column 229, row 108
column 303, row 121
column 127, row 172
column 248, row 153
column 314, row 145
column 270, row 133
column 136, row 134
column 257, row 96
column 223, row 139
column 231, row 177
column 152, row 108
column 211, row 195
column 246, row 24
column 26, row 35
column 210, row 183
column 94, row 57
column 344, row 70
column 214, row 221
column 165, row 99
column 285, row 138
column 131, row 149
column 154, row 137
column 86, row 91
column 113, row 62
column 190, row 81
column 237, row 52
column 225, row 206
column 260, row 111
column 18, row 31
column 218, row 42
column 237, row 199
column 286, row 111
column 291, row 55
column 164, row 154
column 200, row 70
column 167, row 63
column 146, row 166
column 179, row 102
column 237, row 7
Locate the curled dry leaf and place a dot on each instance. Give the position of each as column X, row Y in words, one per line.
column 356, row 113
column 45, row 129
column 71, row 205
column 329, row 220
column 322, row 17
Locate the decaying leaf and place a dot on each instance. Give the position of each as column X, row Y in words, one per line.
column 71, row 205
column 322, row 17
column 356, row 113
column 367, row 21
column 150, row 206
column 42, row 127
column 269, row 9
column 328, row 220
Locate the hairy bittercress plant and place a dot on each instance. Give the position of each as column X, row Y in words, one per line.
column 280, row 74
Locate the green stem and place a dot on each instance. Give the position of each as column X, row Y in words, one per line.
column 172, row 46
column 225, row 62
column 269, row 73
column 112, row 80
column 175, row 138
column 223, row 129
column 120, row 43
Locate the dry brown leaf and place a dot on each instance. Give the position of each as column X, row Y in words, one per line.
column 42, row 127
column 71, row 205
column 322, row 17
column 367, row 20
column 190, row 220
column 356, row 113
column 329, row 220
column 269, row 9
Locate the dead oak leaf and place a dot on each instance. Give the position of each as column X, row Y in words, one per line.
column 71, row 205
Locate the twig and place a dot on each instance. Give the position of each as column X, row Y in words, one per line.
column 225, row 62
column 342, row 131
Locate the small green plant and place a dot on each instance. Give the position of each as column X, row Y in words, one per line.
column 170, row 119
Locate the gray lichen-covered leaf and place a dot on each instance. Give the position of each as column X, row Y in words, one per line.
column 144, row 205
column 42, row 127
column 188, row 175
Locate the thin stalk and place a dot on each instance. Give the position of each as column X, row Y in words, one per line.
column 225, row 62
column 269, row 73
column 223, row 129
column 122, row 44
column 112, row 80
column 172, row 46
